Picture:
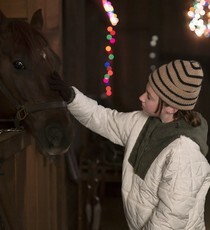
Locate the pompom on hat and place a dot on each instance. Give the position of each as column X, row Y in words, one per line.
column 178, row 83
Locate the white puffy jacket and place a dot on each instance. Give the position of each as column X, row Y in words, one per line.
column 172, row 195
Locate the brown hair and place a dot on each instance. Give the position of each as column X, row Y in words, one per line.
column 190, row 116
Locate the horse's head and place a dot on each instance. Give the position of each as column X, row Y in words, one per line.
column 26, row 62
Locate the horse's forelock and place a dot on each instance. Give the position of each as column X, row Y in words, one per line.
column 21, row 37
column 31, row 40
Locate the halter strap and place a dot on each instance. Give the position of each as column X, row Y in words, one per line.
column 24, row 110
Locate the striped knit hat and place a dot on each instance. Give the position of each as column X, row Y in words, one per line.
column 178, row 83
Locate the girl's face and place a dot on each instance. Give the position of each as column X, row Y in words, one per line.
column 150, row 100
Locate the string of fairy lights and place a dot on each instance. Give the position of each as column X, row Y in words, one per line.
column 110, row 37
column 199, row 14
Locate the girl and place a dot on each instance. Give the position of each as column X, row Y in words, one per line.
column 165, row 175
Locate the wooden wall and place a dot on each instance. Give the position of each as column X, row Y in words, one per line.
column 33, row 189
column 14, row 8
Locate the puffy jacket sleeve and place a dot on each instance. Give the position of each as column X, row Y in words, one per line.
column 111, row 124
column 184, row 184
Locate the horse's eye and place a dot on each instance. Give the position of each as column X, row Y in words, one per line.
column 18, row 65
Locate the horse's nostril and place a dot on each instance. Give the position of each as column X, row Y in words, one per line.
column 54, row 135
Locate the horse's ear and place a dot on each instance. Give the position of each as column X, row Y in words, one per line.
column 37, row 20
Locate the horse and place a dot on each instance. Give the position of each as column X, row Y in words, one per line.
column 26, row 63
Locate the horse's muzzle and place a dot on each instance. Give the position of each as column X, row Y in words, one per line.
column 56, row 139
column 54, row 135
